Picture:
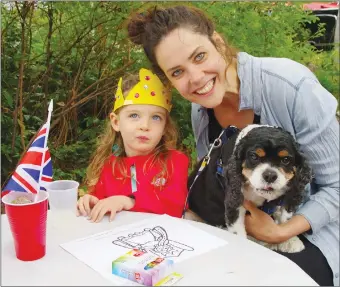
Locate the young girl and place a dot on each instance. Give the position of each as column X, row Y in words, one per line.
column 133, row 167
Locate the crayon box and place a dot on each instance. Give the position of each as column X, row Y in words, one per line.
column 141, row 267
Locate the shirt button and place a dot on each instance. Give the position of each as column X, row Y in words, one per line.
column 336, row 275
column 313, row 238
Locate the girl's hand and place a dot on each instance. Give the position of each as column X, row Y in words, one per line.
column 260, row 225
column 85, row 204
column 111, row 204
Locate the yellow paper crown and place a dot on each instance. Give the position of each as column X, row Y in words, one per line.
column 148, row 91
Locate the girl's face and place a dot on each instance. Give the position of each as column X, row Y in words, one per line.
column 194, row 66
column 141, row 127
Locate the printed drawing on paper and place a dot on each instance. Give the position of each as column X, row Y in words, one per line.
column 154, row 240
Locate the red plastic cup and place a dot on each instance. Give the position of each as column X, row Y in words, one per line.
column 28, row 224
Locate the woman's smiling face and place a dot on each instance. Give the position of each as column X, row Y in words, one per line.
column 194, row 66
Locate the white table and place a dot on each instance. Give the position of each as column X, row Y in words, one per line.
column 240, row 262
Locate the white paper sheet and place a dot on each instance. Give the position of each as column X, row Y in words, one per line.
column 164, row 236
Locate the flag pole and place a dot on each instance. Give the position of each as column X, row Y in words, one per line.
column 48, row 121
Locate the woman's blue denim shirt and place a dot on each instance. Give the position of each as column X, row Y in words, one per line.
column 287, row 94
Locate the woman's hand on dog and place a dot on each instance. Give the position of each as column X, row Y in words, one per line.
column 260, row 225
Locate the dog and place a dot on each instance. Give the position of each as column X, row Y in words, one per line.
column 261, row 164
column 267, row 169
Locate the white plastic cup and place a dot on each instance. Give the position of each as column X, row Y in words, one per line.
column 63, row 195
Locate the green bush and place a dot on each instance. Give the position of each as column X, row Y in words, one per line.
column 74, row 53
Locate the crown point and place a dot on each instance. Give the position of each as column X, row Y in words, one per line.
column 149, row 90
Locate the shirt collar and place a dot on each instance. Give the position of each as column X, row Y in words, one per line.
column 134, row 159
column 249, row 73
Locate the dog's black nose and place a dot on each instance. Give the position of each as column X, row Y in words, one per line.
column 269, row 175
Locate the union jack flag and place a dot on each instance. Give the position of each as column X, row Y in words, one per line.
column 34, row 170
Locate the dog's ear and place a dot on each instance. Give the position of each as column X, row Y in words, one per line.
column 233, row 193
column 296, row 192
column 303, row 172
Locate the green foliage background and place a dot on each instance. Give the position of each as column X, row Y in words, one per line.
column 74, row 53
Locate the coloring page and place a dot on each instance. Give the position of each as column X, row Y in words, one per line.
column 164, row 236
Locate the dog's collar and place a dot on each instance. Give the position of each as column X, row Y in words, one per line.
column 269, row 207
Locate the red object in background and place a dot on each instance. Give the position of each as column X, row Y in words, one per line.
column 28, row 226
column 327, row 14
column 320, row 5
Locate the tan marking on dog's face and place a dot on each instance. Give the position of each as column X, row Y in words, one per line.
column 283, row 153
column 288, row 175
column 246, row 171
column 260, row 152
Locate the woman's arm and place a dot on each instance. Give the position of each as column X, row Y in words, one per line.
column 296, row 225
column 317, row 132
column 261, row 226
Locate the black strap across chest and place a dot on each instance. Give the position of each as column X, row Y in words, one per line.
column 207, row 190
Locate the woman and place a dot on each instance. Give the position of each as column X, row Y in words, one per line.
column 227, row 87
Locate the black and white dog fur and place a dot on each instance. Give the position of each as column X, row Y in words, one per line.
column 265, row 166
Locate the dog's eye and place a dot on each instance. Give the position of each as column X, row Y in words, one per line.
column 254, row 156
column 285, row 160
